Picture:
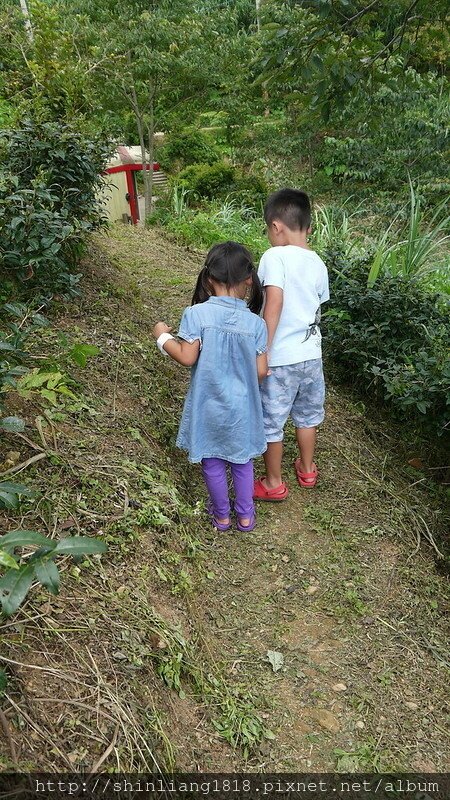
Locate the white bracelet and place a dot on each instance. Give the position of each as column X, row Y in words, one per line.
column 161, row 340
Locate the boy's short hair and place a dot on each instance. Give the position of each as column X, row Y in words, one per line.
column 290, row 206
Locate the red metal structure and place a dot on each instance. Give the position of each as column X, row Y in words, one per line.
column 132, row 196
column 121, row 197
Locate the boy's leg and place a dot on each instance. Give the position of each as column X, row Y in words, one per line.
column 306, row 440
column 215, row 476
column 272, row 459
column 308, row 412
column 243, row 480
column 278, row 392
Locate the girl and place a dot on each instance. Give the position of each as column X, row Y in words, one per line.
column 225, row 342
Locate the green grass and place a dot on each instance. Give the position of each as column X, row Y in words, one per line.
column 212, row 222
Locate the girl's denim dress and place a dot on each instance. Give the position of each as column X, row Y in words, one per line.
column 222, row 415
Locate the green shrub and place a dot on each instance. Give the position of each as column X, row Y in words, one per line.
column 208, row 181
column 185, row 148
column 390, row 340
column 19, row 573
column 221, row 179
column 250, row 189
column 49, row 180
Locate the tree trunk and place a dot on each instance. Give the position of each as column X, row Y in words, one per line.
column 258, row 18
column 141, row 134
column 25, row 12
column 148, row 173
column 265, row 93
column 140, row 127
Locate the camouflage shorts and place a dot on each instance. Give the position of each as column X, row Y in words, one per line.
column 297, row 390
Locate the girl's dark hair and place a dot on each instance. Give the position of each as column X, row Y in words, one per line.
column 229, row 263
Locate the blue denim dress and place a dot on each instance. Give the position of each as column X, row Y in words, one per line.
column 222, row 415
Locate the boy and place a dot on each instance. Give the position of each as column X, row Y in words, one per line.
column 296, row 283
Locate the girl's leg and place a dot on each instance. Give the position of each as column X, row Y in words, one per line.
column 243, row 481
column 215, row 476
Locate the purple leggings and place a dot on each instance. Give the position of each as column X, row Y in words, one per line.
column 215, row 475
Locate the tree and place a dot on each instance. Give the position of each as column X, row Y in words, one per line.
column 44, row 75
column 324, row 50
column 154, row 59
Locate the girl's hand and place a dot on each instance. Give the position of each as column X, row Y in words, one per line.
column 160, row 328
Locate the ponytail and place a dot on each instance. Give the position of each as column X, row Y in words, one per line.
column 256, row 299
column 202, row 291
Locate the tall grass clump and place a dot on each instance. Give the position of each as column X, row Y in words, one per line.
column 417, row 255
column 211, row 221
column 332, row 230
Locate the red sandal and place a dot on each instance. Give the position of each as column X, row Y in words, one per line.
column 306, row 479
column 261, row 492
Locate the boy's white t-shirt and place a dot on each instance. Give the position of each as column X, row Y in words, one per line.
column 303, row 277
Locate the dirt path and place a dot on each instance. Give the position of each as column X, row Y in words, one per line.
column 330, row 579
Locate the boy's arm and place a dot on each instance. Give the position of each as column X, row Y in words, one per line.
column 272, row 310
column 183, row 352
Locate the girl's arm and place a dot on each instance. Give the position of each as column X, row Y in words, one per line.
column 181, row 351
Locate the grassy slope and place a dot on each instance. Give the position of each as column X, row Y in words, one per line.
column 332, row 578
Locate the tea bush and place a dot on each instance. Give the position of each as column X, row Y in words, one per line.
column 250, row 190
column 220, row 180
column 186, row 148
column 391, row 341
column 208, row 181
column 49, row 179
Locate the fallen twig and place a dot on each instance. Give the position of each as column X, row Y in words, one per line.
column 43, row 669
column 95, row 767
column 30, row 442
column 24, row 464
column 9, row 739
column 116, row 377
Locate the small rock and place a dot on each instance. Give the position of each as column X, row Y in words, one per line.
column 265, row 747
column 274, row 568
column 339, row 687
column 360, row 725
column 412, row 706
column 325, row 719
column 312, row 589
column 119, row 656
column 285, row 559
column 422, row 765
